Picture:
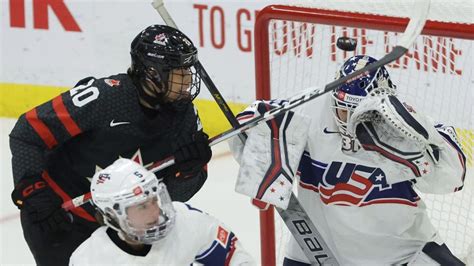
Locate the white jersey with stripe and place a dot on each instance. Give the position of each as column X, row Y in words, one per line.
column 365, row 206
column 196, row 238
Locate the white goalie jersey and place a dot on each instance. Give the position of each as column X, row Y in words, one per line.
column 364, row 204
column 196, row 238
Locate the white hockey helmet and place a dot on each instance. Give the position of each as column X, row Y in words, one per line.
column 125, row 184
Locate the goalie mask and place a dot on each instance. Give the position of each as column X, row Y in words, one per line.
column 164, row 67
column 133, row 202
column 346, row 98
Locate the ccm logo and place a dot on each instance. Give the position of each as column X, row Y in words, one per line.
column 29, row 189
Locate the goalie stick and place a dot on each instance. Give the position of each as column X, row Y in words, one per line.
column 412, row 31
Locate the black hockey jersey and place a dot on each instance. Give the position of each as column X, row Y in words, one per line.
column 67, row 139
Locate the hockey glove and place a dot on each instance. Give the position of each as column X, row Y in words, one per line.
column 401, row 118
column 43, row 207
column 191, row 157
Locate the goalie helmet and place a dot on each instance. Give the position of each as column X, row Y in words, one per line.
column 164, row 58
column 133, row 202
column 346, row 98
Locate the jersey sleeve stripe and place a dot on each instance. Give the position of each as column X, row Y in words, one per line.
column 207, row 251
column 64, row 116
column 40, row 128
column 65, row 197
column 461, row 157
column 217, row 254
column 230, row 253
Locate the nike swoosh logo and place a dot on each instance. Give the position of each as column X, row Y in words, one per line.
column 325, row 130
column 114, row 124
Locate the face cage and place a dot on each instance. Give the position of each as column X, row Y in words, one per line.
column 341, row 105
column 156, row 232
column 177, row 85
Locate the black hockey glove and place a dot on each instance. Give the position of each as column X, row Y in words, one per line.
column 191, row 157
column 35, row 197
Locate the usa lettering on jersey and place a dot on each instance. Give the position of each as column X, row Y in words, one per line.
column 349, row 184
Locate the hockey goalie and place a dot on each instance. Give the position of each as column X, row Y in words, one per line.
column 357, row 154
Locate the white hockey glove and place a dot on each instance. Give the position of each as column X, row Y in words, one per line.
column 395, row 130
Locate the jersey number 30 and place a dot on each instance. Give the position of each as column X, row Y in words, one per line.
column 83, row 94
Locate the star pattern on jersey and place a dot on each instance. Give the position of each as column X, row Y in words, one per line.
column 136, row 157
column 379, row 177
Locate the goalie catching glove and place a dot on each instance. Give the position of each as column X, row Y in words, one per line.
column 395, row 130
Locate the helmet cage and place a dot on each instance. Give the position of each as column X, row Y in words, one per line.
column 156, row 52
column 344, row 102
column 117, row 218
column 163, row 224
column 156, row 83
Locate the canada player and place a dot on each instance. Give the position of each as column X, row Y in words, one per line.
column 145, row 114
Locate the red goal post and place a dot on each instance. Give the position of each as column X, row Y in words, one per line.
column 295, row 49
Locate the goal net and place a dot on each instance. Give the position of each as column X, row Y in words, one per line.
column 296, row 49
